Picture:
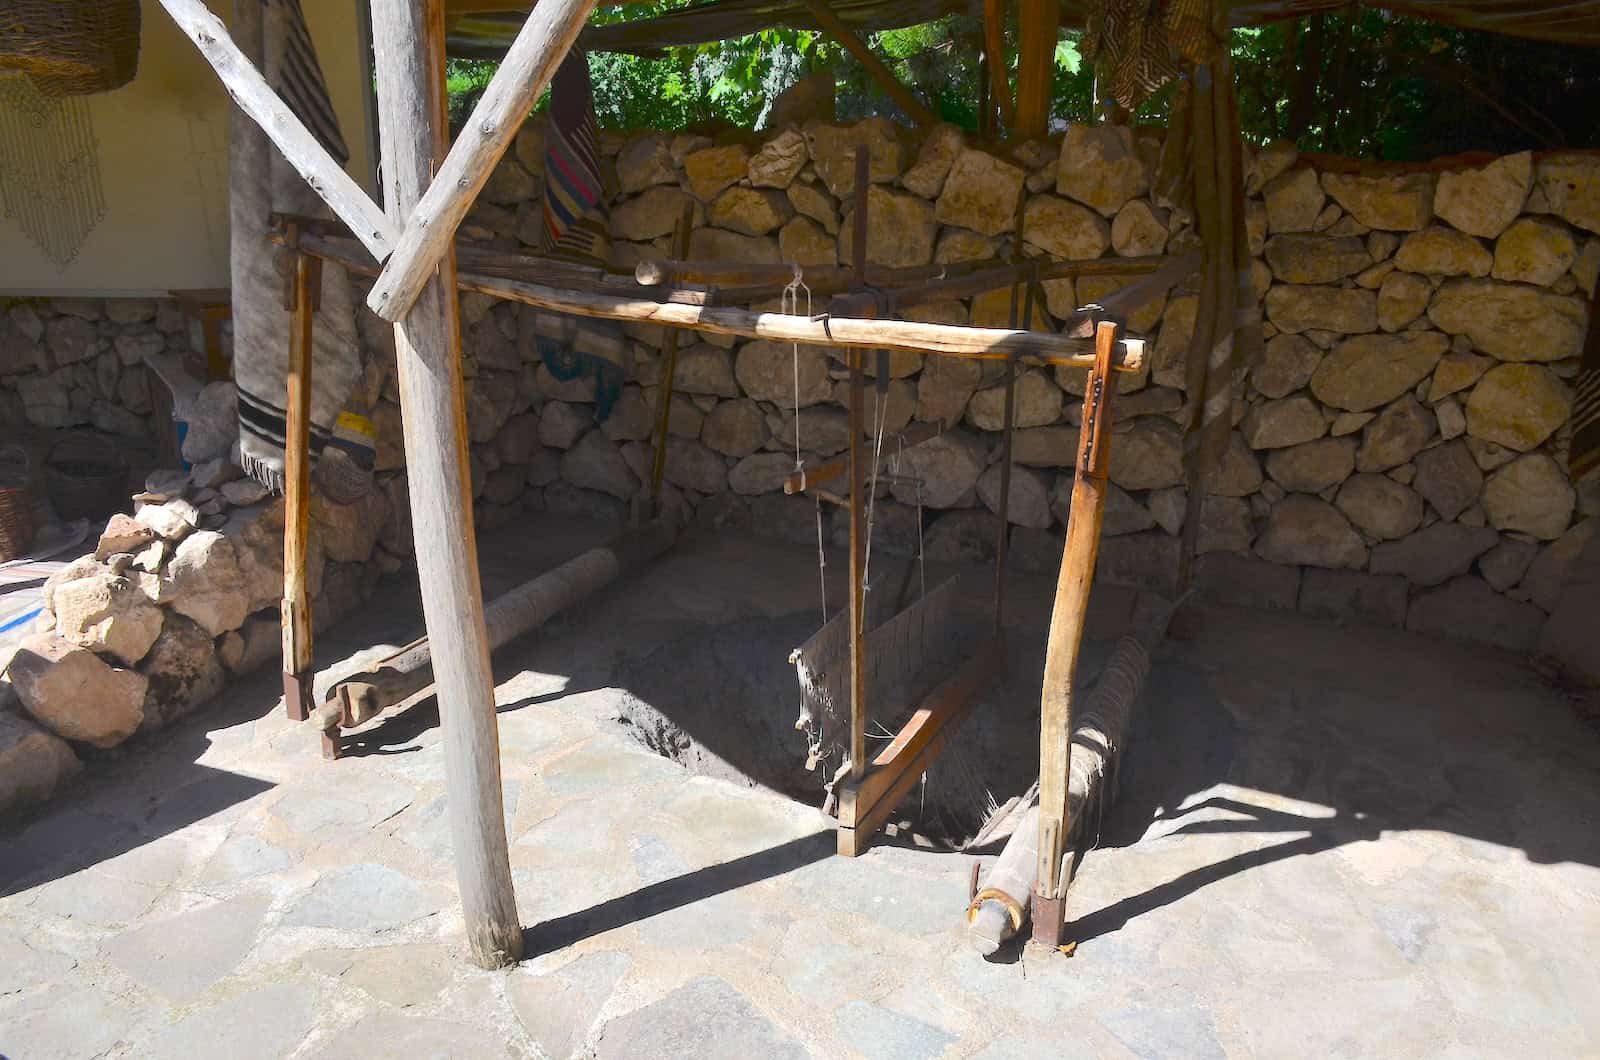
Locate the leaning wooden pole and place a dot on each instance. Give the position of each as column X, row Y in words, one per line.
column 408, row 48
column 858, row 505
column 296, row 622
column 669, row 369
column 1066, row 638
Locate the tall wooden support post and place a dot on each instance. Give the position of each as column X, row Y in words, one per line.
column 1066, row 638
column 858, row 506
column 1038, row 26
column 669, row 368
column 408, row 48
column 304, row 293
column 994, row 54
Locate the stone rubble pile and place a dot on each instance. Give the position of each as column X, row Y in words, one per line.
column 173, row 600
column 1399, row 450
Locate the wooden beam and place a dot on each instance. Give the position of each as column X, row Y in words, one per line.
column 1038, row 27
column 866, row 803
column 940, row 340
column 1066, row 638
column 296, row 620
column 994, row 47
column 408, row 48
column 532, row 60
column 835, row 28
column 308, row 157
column 361, row 696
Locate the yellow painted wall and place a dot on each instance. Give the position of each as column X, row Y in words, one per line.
column 163, row 154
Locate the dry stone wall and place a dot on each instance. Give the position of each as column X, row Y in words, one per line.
column 1398, row 452
column 71, row 362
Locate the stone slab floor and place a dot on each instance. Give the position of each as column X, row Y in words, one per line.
column 1327, row 842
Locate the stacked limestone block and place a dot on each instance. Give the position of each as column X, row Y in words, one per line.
column 1398, row 454
column 70, row 362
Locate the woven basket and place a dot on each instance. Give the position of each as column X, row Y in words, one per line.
column 85, row 477
column 71, row 47
column 16, row 507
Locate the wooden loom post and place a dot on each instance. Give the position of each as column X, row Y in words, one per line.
column 1038, row 26
column 669, row 366
column 994, row 52
column 408, row 47
column 1066, row 638
column 858, row 646
column 306, row 286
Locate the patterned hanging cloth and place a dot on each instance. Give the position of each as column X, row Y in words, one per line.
column 575, row 231
column 1584, row 454
column 273, row 34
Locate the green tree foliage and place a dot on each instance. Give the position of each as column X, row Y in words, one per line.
column 1364, row 84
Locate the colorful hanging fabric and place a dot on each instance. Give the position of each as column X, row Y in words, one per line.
column 575, row 231
column 1137, row 46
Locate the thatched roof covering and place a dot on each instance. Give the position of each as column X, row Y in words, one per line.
column 484, row 28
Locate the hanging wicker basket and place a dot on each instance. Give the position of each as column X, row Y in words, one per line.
column 71, row 47
column 16, row 507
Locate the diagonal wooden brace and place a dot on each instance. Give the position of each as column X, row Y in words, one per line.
column 545, row 38
column 256, row 98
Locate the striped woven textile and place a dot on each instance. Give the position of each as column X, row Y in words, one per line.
column 273, row 35
column 1584, row 454
column 575, row 231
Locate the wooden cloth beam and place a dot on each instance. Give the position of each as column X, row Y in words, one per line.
column 257, row 99
column 543, row 43
column 941, row 340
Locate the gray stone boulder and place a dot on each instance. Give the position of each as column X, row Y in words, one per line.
column 207, row 582
column 1308, row 258
column 1304, row 307
column 1534, row 250
column 1381, row 507
column 1510, row 321
column 981, row 193
column 1468, row 609
column 1279, row 424
column 1148, row 455
column 1448, row 478
column 595, row 463
column 1029, row 503
column 1313, row 466
column 183, row 672
column 108, row 613
column 34, row 763
column 1367, row 371
column 1305, row 531
column 76, row 694
column 1401, row 203
column 779, row 160
column 1099, row 167
column 1064, row 229
column 1435, row 553
column 1530, row 495
column 948, row 465
column 1483, row 201
column 1396, row 435
column 1441, row 251
column 1517, row 406
column 766, row 372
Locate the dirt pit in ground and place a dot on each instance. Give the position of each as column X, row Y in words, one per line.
column 722, row 700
